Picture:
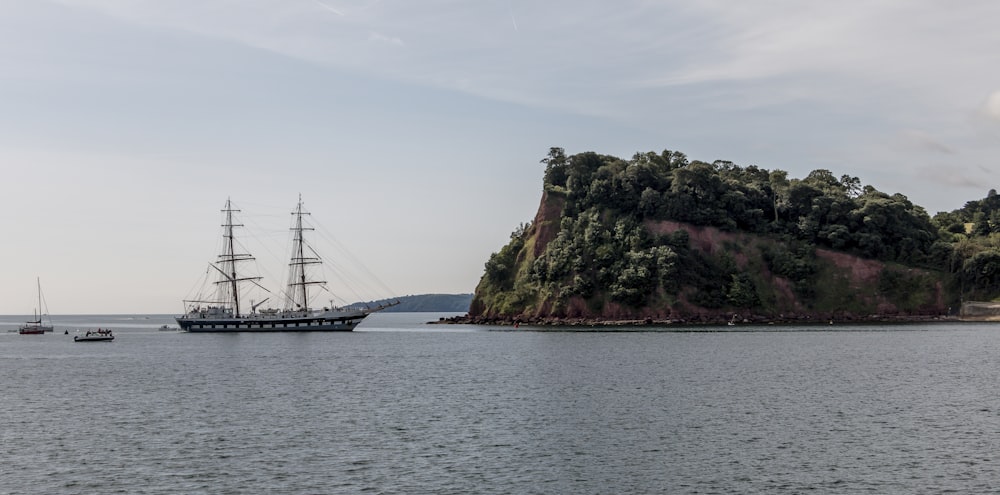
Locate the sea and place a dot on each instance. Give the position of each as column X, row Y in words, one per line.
column 402, row 407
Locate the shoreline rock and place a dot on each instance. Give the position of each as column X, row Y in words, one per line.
column 695, row 320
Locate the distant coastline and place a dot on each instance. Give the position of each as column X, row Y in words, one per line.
column 426, row 303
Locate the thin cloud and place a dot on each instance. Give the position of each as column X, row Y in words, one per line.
column 957, row 176
column 923, row 141
column 797, row 78
column 329, row 8
column 381, row 38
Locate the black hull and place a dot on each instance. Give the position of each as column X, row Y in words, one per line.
column 260, row 325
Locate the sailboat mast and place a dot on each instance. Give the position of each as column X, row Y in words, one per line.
column 229, row 256
column 298, row 281
column 228, row 285
column 38, row 282
column 301, row 255
column 232, row 251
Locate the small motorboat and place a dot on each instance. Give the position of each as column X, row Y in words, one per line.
column 166, row 328
column 94, row 336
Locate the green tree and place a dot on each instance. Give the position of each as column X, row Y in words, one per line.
column 555, row 167
column 778, row 180
column 742, row 292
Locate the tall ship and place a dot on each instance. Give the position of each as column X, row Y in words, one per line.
column 36, row 326
column 227, row 312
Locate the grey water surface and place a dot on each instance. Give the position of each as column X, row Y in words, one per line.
column 399, row 407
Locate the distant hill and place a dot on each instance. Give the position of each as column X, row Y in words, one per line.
column 420, row 303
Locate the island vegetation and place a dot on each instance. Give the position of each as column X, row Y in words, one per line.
column 661, row 238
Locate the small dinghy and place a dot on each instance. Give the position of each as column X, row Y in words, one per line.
column 98, row 335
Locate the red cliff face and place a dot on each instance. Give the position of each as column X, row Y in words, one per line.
column 856, row 279
column 545, row 227
column 861, row 275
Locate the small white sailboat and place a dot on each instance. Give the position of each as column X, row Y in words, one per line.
column 36, row 327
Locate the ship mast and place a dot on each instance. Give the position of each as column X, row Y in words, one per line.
column 297, row 281
column 229, row 283
column 38, row 281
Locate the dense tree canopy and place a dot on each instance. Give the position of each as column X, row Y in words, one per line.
column 820, row 209
column 601, row 248
column 970, row 246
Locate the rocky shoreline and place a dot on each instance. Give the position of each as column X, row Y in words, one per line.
column 698, row 320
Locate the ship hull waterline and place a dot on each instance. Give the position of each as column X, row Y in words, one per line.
column 232, row 325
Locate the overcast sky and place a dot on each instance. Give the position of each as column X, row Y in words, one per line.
column 413, row 129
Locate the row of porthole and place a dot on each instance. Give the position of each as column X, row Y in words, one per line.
column 259, row 325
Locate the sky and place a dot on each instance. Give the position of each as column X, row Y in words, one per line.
column 413, row 130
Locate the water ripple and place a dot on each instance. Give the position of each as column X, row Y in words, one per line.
column 912, row 410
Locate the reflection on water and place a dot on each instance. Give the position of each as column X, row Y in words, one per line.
column 403, row 407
